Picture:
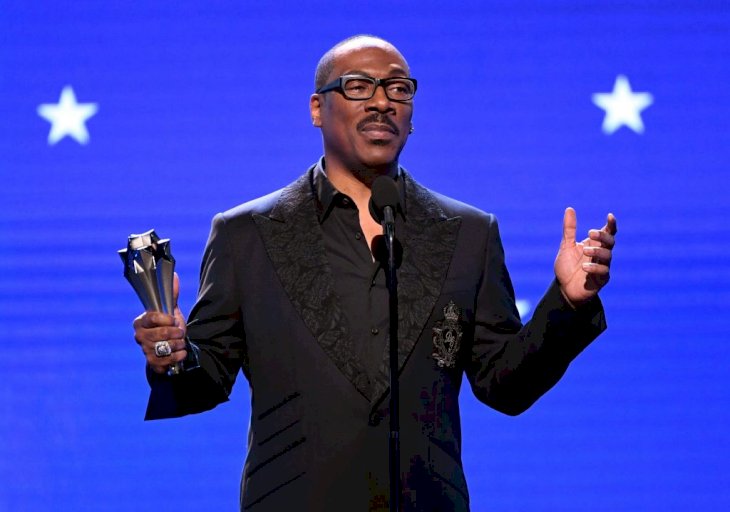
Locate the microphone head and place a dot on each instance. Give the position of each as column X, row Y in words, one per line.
column 384, row 193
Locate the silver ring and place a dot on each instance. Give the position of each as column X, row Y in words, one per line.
column 163, row 348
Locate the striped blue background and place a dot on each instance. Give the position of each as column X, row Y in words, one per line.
column 203, row 105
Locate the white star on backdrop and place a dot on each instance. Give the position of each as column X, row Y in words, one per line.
column 523, row 307
column 623, row 106
column 67, row 117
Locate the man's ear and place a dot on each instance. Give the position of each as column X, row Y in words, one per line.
column 315, row 107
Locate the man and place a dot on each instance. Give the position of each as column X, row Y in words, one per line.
column 292, row 292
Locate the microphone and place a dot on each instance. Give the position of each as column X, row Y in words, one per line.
column 383, row 204
column 384, row 201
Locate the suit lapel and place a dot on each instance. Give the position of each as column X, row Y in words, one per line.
column 428, row 247
column 294, row 243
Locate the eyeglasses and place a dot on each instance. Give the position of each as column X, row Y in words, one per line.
column 358, row 87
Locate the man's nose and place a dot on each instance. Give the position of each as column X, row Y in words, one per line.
column 380, row 101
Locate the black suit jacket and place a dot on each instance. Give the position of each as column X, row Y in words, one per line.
column 318, row 435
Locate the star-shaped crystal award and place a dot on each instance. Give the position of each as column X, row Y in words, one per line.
column 149, row 267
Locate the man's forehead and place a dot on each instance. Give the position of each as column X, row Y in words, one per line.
column 361, row 42
column 368, row 51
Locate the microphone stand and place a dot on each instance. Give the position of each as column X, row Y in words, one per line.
column 394, row 438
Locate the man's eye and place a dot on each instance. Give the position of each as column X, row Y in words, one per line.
column 399, row 88
column 356, row 85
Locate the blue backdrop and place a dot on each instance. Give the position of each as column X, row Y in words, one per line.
column 122, row 116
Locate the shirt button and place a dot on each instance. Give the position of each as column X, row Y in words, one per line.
column 345, row 201
column 358, row 235
column 374, row 331
column 374, row 419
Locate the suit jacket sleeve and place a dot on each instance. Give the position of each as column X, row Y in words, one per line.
column 216, row 328
column 510, row 366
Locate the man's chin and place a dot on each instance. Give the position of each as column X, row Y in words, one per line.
column 381, row 159
column 381, row 152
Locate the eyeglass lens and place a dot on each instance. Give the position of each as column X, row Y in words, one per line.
column 364, row 88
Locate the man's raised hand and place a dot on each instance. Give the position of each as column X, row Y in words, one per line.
column 582, row 268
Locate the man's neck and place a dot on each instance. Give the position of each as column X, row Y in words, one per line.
column 356, row 184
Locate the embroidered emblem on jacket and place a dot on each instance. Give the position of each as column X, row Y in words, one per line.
column 447, row 337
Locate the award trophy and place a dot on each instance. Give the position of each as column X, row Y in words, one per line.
column 149, row 267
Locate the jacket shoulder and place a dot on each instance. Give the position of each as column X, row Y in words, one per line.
column 259, row 206
column 455, row 208
column 278, row 204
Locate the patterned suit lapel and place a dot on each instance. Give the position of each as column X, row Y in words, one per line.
column 428, row 246
column 294, row 243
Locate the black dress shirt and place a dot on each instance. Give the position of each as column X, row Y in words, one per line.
column 359, row 276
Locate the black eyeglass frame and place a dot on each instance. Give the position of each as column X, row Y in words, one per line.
column 339, row 82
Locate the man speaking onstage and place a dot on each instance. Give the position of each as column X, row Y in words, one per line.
column 293, row 292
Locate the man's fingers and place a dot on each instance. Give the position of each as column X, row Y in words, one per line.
column 597, row 269
column 150, row 319
column 598, row 254
column 177, row 345
column 610, row 226
column 570, row 224
column 603, row 237
column 154, row 334
column 179, row 317
column 162, row 364
column 175, row 288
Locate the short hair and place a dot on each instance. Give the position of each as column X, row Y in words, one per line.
column 327, row 62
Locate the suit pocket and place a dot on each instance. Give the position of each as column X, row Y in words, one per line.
column 275, row 458
column 447, row 470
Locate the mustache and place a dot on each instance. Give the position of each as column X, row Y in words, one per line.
column 379, row 119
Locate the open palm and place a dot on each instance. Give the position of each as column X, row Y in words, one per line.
column 582, row 268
